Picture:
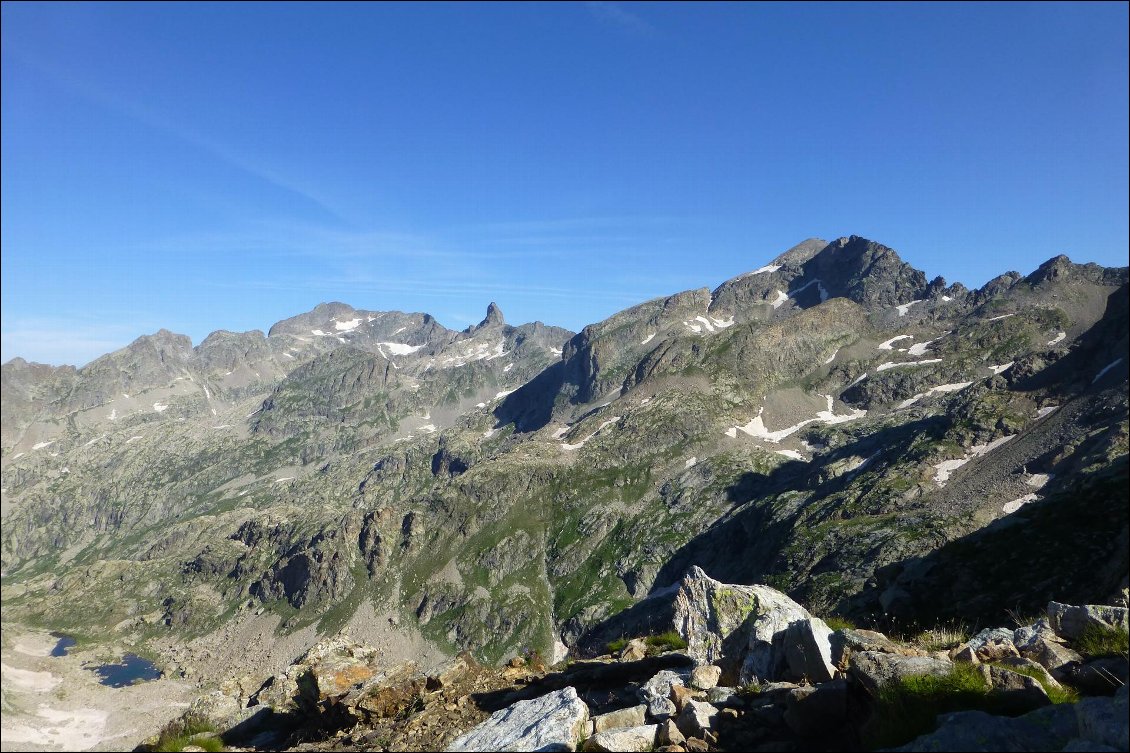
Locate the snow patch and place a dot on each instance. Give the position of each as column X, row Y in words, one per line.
column 1058, row 338
column 113, row 414
column 400, row 349
column 768, row 268
column 891, row 365
column 93, row 441
column 690, row 461
column 41, row 445
column 998, row 318
column 781, row 298
column 561, row 432
column 906, row 307
column 832, row 357
column 946, row 298
column 504, row 393
column 489, row 433
column 18, row 455
column 134, row 438
column 160, row 407
column 919, row 349
column 349, row 326
column 1001, row 368
column 319, row 333
column 284, row 478
column 889, row 344
column 1047, row 409
column 1105, row 369
column 722, row 323
column 1039, row 480
column 819, row 285
column 557, row 351
column 507, row 368
column 429, row 428
column 579, row 445
column 858, row 379
column 790, row 454
column 647, row 339
column 946, row 467
column 756, row 427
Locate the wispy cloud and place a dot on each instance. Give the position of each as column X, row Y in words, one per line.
column 76, row 83
column 614, row 14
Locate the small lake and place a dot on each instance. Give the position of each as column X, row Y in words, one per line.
column 65, row 642
column 133, row 669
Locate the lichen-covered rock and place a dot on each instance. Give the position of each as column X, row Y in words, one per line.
column 554, row 721
column 1018, row 693
column 739, row 628
column 656, row 692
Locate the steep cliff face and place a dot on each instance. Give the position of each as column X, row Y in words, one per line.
column 831, row 424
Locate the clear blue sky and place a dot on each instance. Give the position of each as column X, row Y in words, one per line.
column 199, row 167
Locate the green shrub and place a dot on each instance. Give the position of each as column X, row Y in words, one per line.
column 1099, row 640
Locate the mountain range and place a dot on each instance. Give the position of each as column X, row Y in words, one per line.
column 876, row 444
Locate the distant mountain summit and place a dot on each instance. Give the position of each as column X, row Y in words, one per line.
column 831, row 423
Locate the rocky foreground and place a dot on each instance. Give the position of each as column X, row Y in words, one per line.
column 740, row 668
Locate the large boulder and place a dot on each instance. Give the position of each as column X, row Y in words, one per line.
column 739, row 628
column 808, row 650
column 641, row 738
column 1070, row 622
column 633, row 716
column 555, row 721
column 873, row 669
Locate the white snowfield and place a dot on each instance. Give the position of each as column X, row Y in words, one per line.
column 891, row 364
column 160, row 407
column 998, row 318
column 793, row 454
column 647, row 339
column 348, row 326
column 946, row 298
column 690, row 462
column 832, row 357
column 780, row 299
column 561, row 432
column 756, row 428
column 602, row 427
column 1046, row 410
column 1001, row 368
column 889, row 344
column 41, row 445
column 904, row 308
column 1105, row 369
column 1058, row 338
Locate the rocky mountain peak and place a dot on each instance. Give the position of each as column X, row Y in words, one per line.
column 493, row 318
column 801, row 252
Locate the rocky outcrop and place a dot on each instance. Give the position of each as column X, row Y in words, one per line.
column 555, row 721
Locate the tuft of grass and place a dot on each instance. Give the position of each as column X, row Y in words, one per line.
column 909, row 707
column 840, row 623
column 616, row 645
column 1098, row 640
column 188, row 730
column 668, row 641
column 942, row 637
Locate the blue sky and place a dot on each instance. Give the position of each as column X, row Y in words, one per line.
column 202, row 167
